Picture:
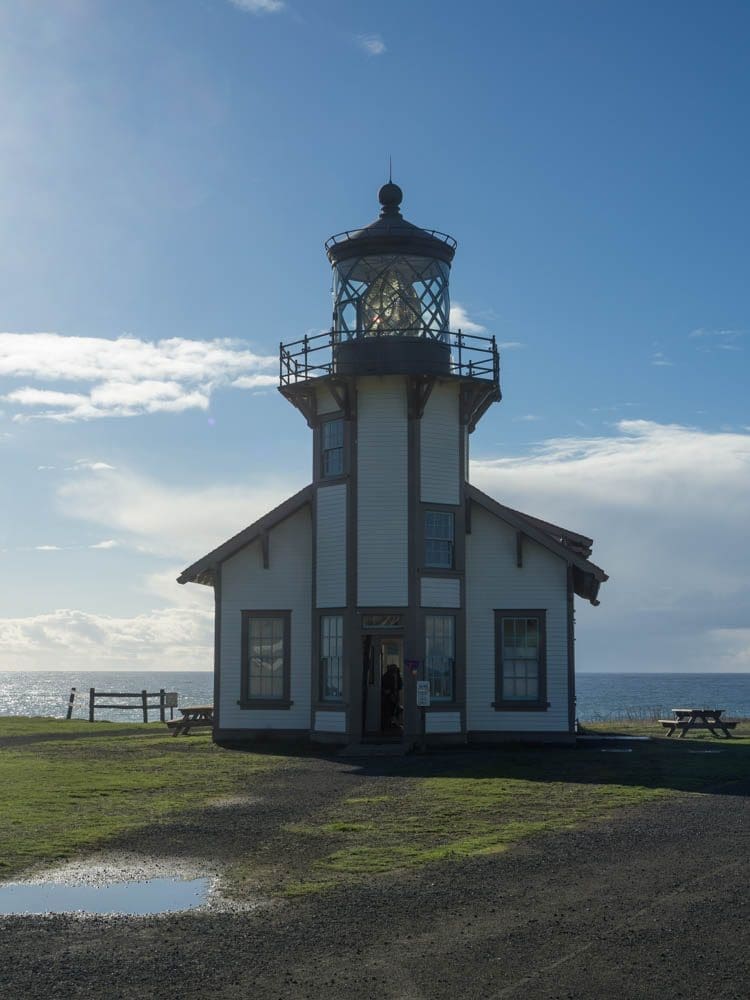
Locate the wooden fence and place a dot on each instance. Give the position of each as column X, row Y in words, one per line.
column 139, row 701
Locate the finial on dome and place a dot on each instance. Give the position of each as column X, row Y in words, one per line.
column 390, row 197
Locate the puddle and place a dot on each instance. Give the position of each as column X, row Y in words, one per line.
column 134, row 898
column 705, row 751
column 616, row 750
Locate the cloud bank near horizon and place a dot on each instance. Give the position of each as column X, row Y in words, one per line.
column 666, row 505
column 123, row 377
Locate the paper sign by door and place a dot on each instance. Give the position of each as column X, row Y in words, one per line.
column 423, row 694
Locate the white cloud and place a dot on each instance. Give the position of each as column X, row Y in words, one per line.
column 722, row 340
column 723, row 334
column 459, row 320
column 259, row 6
column 372, row 44
column 127, row 376
column 255, row 381
column 85, row 465
column 526, row 418
column 667, row 507
column 108, row 543
column 169, row 520
column 660, row 361
column 48, row 548
column 173, row 638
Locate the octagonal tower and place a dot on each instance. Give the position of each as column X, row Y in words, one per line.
column 391, row 394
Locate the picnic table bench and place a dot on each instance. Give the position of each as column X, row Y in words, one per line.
column 193, row 717
column 686, row 719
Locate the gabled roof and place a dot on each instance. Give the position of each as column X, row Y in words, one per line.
column 204, row 570
column 570, row 546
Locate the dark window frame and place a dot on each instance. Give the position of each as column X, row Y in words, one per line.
column 453, row 615
column 326, row 420
column 540, row 703
column 322, row 697
column 246, row 701
column 447, row 513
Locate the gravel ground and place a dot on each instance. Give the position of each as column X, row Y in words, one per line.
column 653, row 902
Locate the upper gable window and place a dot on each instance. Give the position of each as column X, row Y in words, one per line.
column 332, row 448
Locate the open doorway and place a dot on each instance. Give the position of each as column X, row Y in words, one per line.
column 383, row 686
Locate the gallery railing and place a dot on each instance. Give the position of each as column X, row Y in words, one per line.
column 471, row 355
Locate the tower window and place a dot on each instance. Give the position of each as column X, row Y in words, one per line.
column 440, row 655
column 438, row 539
column 332, row 657
column 332, row 448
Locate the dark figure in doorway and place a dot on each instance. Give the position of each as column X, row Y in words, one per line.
column 390, row 698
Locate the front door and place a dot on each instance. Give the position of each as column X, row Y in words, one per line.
column 382, row 685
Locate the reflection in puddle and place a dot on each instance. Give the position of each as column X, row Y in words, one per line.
column 156, row 895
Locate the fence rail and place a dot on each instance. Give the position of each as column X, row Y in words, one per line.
column 140, row 701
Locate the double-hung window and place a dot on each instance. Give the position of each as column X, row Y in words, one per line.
column 440, row 655
column 438, row 539
column 265, row 659
column 520, row 660
column 332, row 657
column 332, row 448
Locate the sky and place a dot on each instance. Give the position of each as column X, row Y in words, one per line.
column 169, row 172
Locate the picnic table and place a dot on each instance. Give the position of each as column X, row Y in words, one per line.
column 686, row 719
column 193, row 717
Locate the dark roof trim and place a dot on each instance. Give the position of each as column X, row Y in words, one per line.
column 587, row 576
column 203, row 571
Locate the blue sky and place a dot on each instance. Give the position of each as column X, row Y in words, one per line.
column 169, row 173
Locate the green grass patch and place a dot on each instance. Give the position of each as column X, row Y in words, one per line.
column 92, row 782
column 485, row 805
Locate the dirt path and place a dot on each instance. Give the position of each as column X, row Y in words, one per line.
column 654, row 903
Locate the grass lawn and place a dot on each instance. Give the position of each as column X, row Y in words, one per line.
column 68, row 787
column 484, row 806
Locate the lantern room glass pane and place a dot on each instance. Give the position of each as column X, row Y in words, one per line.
column 395, row 295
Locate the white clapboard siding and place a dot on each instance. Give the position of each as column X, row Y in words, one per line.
column 441, row 592
column 440, row 472
column 285, row 586
column 493, row 580
column 442, row 722
column 330, row 561
column 330, row 722
column 382, row 492
column 325, row 401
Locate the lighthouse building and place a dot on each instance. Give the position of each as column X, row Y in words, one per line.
column 390, row 579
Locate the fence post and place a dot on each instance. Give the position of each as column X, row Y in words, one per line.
column 70, row 703
column 162, row 700
column 92, row 695
column 144, row 698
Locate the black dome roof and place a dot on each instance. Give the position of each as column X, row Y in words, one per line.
column 390, row 233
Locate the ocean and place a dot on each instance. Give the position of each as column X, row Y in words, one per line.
column 599, row 696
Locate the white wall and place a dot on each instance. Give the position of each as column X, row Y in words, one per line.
column 493, row 580
column 326, row 403
column 330, row 722
column 442, row 722
column 285, row 586
column 330, row 563
column 382, row 492
column 440, row 467
column 441, row 592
